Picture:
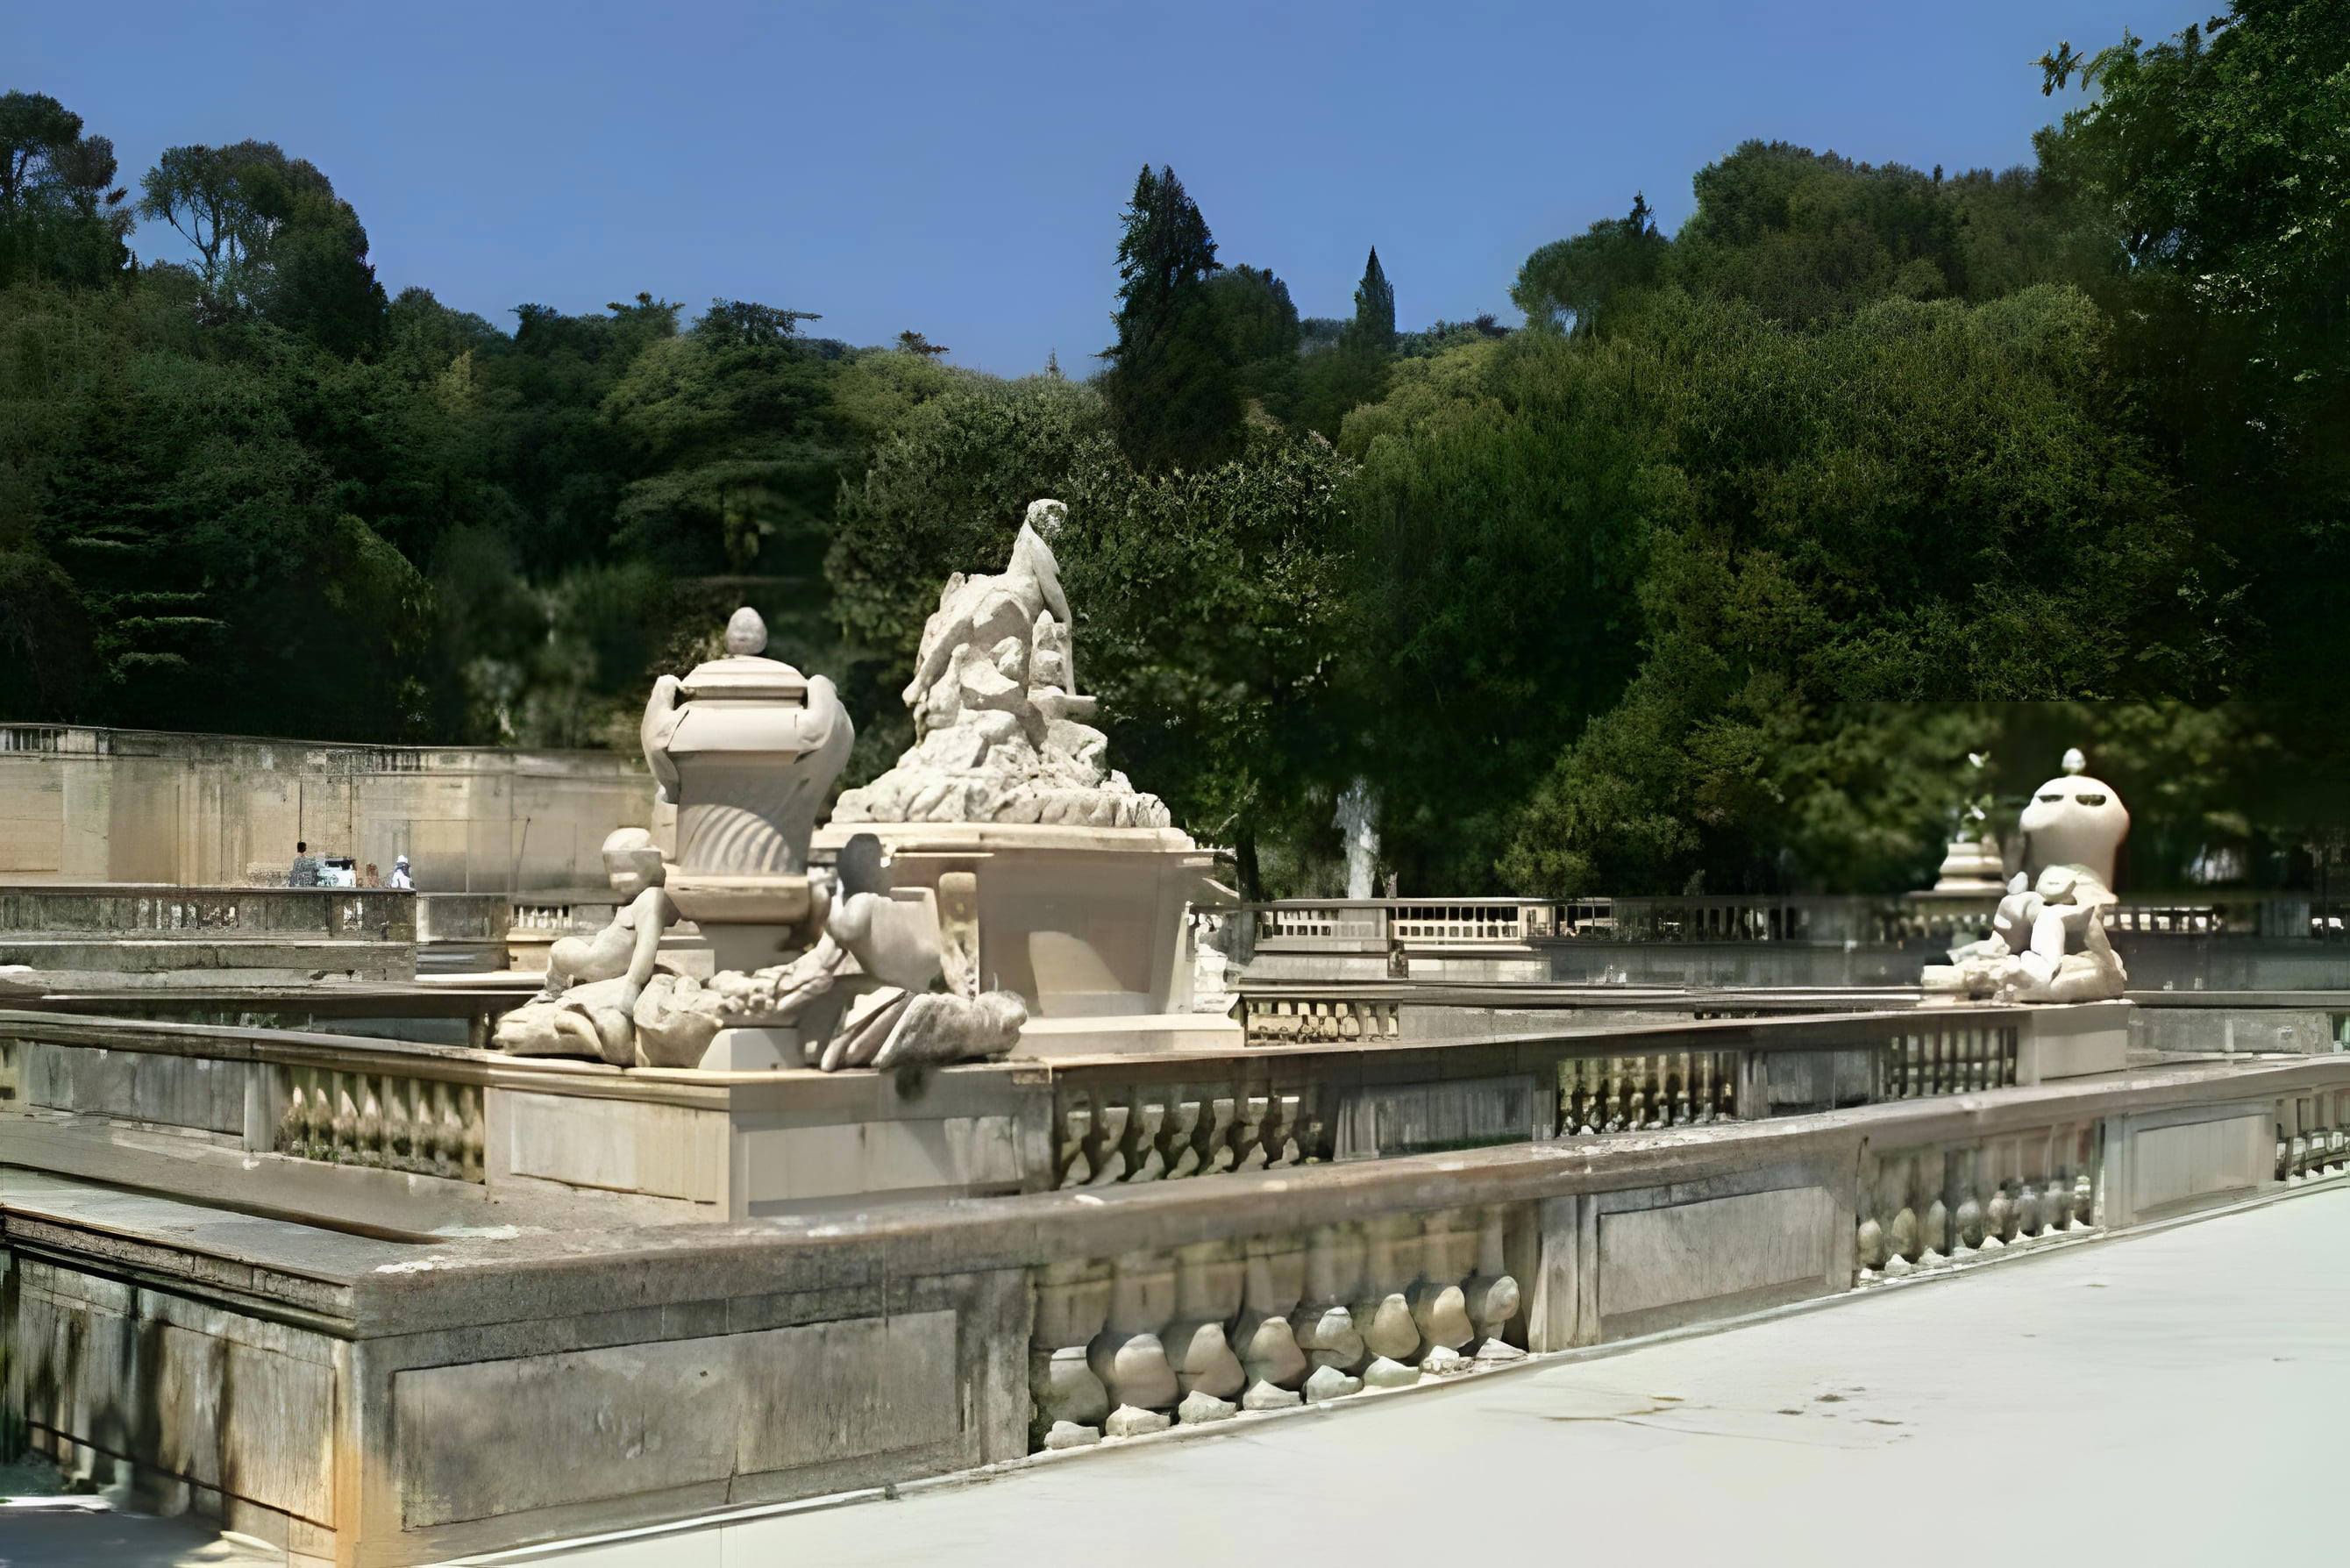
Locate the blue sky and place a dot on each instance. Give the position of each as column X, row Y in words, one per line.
column 959, row 169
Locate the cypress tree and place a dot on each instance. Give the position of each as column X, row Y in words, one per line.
column 1174, row 396
column 1373, row 327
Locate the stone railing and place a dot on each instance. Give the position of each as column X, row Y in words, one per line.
column 56, row 740
column 425, row 1126
column 333, row 914
column 1308, row 1021
column 1165, row 1134
column 1632, row 1094
column 1946, row 1205
column 1933, row 1058
column 1198, row 1333
column 2313, row 1136
column 1378, row 925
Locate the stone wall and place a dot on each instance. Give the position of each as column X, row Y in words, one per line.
column 88, row 805
column 365, row 1399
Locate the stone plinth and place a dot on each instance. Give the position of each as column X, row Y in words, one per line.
column 1080, row 922
column 2073, row 1040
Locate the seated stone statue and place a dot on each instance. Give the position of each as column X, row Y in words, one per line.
column 587, row 1006
column 2047, row 944
column 888, row 951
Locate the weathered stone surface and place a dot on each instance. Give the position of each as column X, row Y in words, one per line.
column 1717, row 1249
column 641, row 1417
column 2174, row 1165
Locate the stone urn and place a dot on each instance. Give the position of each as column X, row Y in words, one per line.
column 745, row 749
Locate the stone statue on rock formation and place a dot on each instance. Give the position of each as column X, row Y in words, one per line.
column 1000, row 727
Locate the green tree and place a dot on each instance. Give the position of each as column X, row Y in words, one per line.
column 271, row 238
column 1573, row 284
column 1173, row 393
column 61, row 215
column 1354, row 370
column 2215, row 168
column 1923, row 504
column 1260, row 329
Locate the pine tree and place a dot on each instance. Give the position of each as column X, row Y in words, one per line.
column 1173, row 393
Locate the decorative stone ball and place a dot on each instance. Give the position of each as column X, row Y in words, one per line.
column 745, row 632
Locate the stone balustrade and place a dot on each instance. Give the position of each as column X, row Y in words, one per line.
column 1949, row 1059
column 1165, row 1134
column 1134, row 1343
column 1285, row 1021
column 331, row 914
column 425, row 1126
column 1631, row 1094
column 387, row 1392
column 2313, row 1136
column 1377, row 925
column 1947, row 1205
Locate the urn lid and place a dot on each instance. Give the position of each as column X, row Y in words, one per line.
column 742, row 675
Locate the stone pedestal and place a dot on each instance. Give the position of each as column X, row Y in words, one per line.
column 1081, row 922
column 754, row 1051
column 2073, row 1040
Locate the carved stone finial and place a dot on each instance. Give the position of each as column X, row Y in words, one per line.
column 2075, row 763
column 745, row 632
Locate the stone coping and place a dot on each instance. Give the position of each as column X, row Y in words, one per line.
column 2323, row 1000
column 387, row 1288
column 697, row 1087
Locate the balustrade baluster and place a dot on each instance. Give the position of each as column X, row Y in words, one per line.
column 1324, row 1324
column 1934, row 1223
column 1072, row 1308
column 1127, row 1354
column 1966, row 1220
column 1076, row 1161
column 1265, row 1341
column 1439, row 1302
column 1614, row 1081
column 1109, row 1150
column 1901, row 1230
column 1383, row 1316
column 469, row 1134
column 1209, row 1277
column 1217, row 1150
column 1869, row 1240
column 1493, row 1294
column 1148, row 1164
column 1179, row 1150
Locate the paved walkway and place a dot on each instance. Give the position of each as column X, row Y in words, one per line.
column 2171, row 1397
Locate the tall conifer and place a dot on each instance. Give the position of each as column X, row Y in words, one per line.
column 1174, row 394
